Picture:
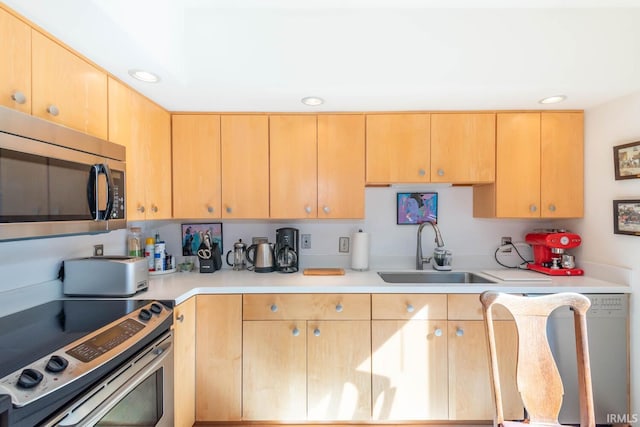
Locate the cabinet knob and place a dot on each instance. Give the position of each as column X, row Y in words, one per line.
column 339, row 308
column 295, row 332
column 437, row 332
column 229, row 210
column 140, row 209
column 532, row 208
column 422, row 172
column 440, row 172
column 210, row 209
column 53, row 110
column 410, row 308
column 273, row 308
column 180, row 318
column 18, row 97
column 459, row 332
column 316, row 332
column 307, row 209
column 326, row 209
column 552, row 207
column 154, row 208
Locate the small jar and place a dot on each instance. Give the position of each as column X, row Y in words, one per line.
column 134, row 242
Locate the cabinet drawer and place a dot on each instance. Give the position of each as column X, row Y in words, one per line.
column 409, row 306
column 468, row 307
column 306, row 306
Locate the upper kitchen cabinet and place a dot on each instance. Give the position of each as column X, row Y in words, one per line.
column 341, row 150
column 66, row 89
column 539, row 167
column 196, row 165
column 398, row 148
column 293, row 166
column 15, row 69
column 245, row 166
column 144, row 129
column 463, row 147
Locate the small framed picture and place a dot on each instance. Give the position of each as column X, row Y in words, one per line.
column 194, row 235
column 416, row 208
column 626, row 160
column 626, row 217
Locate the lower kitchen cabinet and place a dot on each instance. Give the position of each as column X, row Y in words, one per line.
column 219, row 358
column 184, row 329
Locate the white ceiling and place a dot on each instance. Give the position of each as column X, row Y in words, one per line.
column 359, row 55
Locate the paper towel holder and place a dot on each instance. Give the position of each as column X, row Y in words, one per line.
column 360, row 251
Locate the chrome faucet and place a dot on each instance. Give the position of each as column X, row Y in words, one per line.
column 420, row 260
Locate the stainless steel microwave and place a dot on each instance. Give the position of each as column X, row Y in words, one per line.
column 57, row 181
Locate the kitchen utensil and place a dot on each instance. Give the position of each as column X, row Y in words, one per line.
column 261, row 257
column 239, row 256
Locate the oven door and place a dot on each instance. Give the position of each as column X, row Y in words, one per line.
column 139, row 393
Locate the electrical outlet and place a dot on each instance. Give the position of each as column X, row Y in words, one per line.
column 98, row 250
column 505, row 241
column 306, row 241
column 343, row 244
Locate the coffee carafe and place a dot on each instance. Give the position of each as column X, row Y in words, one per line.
column 239, row 256
column 286, row 250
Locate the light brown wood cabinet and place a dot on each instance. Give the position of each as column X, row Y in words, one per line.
column 306, row 357
column 463, row 147
column 66, row 89
column 15, row 69
column 398, row 148
column 144, row 129
column 245, row 166
column 218, row 381
column 196, row 165
column 539, row 167
column 184, row 330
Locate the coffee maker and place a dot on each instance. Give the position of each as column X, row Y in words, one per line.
column 286, row 250
column 549, row 252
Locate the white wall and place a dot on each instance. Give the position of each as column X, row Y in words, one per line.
column 606, row 126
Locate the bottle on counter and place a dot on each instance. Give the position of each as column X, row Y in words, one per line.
column 150, row 253
column 134, row 242
column 160, row 254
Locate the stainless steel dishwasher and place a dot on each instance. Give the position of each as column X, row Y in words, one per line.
column 608, row 332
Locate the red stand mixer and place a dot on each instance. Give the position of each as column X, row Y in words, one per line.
column 549, row 255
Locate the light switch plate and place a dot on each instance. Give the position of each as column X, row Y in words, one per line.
column 343, row 244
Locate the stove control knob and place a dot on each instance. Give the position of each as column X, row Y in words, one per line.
column 56, row 364
column 156, row 308
column 29, row 378
column 144, row 315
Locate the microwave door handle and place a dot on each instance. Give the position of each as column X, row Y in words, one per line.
column 104, row 168
column 92, row 192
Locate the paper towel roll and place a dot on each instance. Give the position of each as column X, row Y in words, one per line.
column 360, row 252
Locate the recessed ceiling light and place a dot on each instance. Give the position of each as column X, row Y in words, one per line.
column 312, row 101
column 553, row 99
column 145, row 76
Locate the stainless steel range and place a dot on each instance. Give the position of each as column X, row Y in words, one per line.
column 87, row 362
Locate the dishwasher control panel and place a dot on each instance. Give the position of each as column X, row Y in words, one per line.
column 608, row 305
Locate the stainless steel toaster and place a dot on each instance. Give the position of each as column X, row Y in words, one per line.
column 105, row 276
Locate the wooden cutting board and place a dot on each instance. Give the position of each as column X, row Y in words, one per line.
column 323, row 272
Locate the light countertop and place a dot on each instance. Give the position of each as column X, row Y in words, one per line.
column 178, row 287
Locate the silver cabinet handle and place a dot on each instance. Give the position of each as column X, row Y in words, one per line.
column 295, row 332
column 459, row 332
column 552, row 207
column 440, row 172
column 18, row 97
column 410, row 308
column 533, row 208
column 229, row 210
column 339, row 308
column 422, row 172
column 273, row 308
column 316, row 332
column 326, row 209
column 140, row 209
column 210, row 209
column 53, row 110
column 154, row 208
column 307, row 209
column 437, row 332
column 180, row 318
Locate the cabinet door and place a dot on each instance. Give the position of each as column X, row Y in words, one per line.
column 156, row 141
column 463, row 147
column 77, row 89
column 196, row 166
column 409, row 367
column 184, row 321
column 274, row 370
column 245, row 166
column 218, row 358
column 341, row 151
column 15, row 69
column 339, row 370
column 293, row 166
column 518, row 165
column 398, row 148
column 562, row 170
column 470, row 394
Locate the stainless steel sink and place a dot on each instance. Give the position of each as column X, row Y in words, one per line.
column 432, row 277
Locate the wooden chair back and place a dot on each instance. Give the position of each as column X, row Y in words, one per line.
column 537, row 376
